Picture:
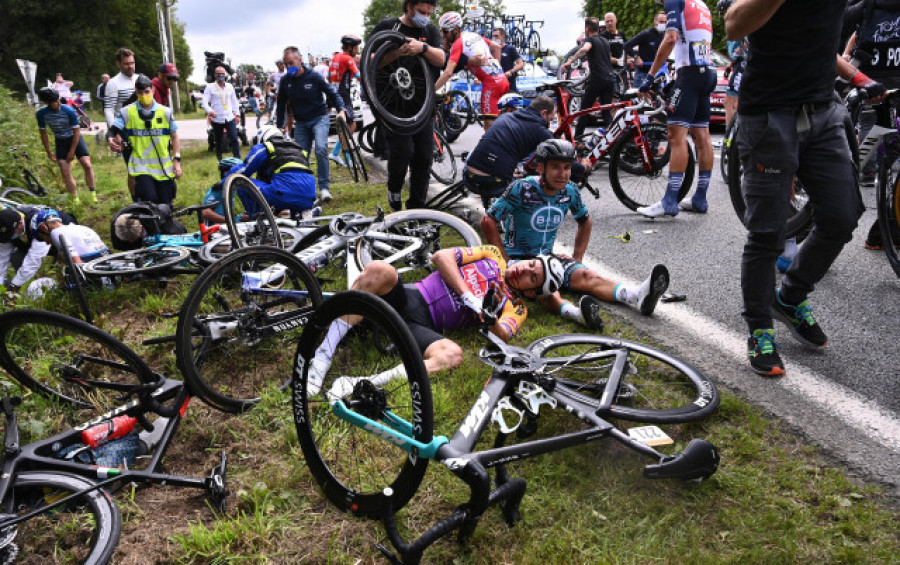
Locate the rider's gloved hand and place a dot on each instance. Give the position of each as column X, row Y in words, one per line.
column 472, row 302
column 644, row 84
column 874, row 89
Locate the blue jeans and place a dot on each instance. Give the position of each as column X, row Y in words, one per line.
column 317, row 128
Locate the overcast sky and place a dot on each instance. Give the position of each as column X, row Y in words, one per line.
column 257, row 32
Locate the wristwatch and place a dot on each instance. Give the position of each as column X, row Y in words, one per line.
column 424, row 48
column 177, row 157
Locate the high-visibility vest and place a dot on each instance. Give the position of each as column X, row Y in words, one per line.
column 149, row 144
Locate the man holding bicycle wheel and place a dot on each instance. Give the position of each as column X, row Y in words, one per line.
column 532, row 210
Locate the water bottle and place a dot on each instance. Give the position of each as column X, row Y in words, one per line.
column 592, row 142
column 109, row 430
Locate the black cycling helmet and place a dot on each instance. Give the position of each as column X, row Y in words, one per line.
column 555, row 150
column 142, row 83
column 47, row 95
column 350, row 40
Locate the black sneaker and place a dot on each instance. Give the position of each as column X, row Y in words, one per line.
column 590, row 311
column 652, row 289
column 799, row 319
column 763, row 353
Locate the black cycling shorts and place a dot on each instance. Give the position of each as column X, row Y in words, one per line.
column 411, row 305
column 689, row 104
column 348, row 106
column 63, row 144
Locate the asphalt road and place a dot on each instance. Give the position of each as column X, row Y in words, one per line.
column 845, row 399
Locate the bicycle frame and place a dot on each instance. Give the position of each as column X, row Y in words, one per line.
column 40, row 455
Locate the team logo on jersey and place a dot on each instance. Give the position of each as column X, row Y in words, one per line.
column 546, row 219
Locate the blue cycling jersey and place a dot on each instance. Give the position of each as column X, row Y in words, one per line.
column 531, row 217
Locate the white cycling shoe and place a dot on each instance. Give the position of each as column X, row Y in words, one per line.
column 656, row 210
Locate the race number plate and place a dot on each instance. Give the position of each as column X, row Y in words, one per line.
column 650, row 435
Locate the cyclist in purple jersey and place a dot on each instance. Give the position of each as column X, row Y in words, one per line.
column 448, row 299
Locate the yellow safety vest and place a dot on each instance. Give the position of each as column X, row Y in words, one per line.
column 149, row 144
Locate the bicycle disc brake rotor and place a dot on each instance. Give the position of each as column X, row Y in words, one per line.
column 402, row 81
column 519, row 362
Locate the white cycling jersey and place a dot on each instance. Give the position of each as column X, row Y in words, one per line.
column 473, row 45
column 81, row 241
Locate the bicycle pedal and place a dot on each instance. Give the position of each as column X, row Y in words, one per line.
column 216, row 483
column 533, row 397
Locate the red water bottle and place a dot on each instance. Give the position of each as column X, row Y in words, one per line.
column 119, row 426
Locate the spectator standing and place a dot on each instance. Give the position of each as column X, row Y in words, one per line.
column 222, row 106
column 63, row 87
column 791, row 124
column 647, row 43
column 271, row 86
column 689, row 37
column 616, row 40
column 101, row 89
column 600, row 82
column 341, row 72
column 309, row 96
column 413, row 153
column 251, row 92
column 510, row 60
column 149, row 127
column 120, row 88
column 166, row 78
column 69, row 144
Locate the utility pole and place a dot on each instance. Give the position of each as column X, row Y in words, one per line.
column 169, row 45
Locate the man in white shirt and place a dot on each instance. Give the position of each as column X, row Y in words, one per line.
column 221, row 105
column 63, row 87
column 119, row 91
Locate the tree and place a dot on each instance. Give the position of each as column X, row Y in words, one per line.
column 635, row 16
column 78, row 43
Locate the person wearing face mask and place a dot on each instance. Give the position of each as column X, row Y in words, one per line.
column 413, row 153
column 647, row 43
column 18, row 248
column 150, row 130
column 221, row 105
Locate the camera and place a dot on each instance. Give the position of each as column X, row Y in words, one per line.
column 215, row 59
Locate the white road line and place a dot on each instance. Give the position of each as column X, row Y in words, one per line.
column 857, row 412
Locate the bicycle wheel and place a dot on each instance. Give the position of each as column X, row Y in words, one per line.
column 632, row 183
column 432, row 229
column 725, row 152
column 401, row 92
column 801, row 217
column 443, row 164
column 351, row 151
column 456, row 112
column 655, row 387
column 362, row 138
column 139, row 261
column 74, row 280
column 83, row 530
column 238, row 323
column 889, row 208
column 220, row 245
column 517, row 39
column 20, row 195
column 448, row 197
column 353, row 465
column 258, row 226
column 65, row 358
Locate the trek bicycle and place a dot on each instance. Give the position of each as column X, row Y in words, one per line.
column 55, row 491
column 366, row 425
column 33, row 189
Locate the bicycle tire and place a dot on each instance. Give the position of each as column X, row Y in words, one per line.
column 655, row 387
column 437, row 230
column 19, row 195
column 889, row 208
column 351, row 151
column 449, row 197
column 725, row 152
column 233, row 339
column 456, row 112
column 137, row 262
column 632, row 184
column 34, row 184
column 443, row 164
column 91, row 523
column 263, row 231
column 58, row 356
column 220, row 246
column 351, row 464
column 401, row 93
column 801, row 217
column 74, row 280
column 362, row 138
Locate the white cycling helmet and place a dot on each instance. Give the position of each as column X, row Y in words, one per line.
column 450, row 20
column 266, row 133
column 554, row 273
column 510, row 101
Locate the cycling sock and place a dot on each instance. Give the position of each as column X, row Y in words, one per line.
column 336, row 333
column 571, row 312
column 337, row 148
column 626, row 294
column 670, row 200
column 702, row 185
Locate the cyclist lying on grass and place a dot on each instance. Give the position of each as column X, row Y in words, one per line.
column 532, row 210
column 448, row 299
column 82, row 243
